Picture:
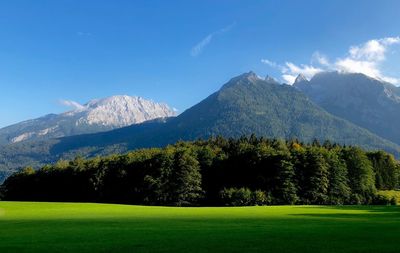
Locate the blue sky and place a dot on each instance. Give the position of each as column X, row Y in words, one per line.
column 179, row 52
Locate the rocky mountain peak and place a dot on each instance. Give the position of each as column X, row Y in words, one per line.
column 123, row 110
column 270, row 79
column 95, row 116
column 300, row 78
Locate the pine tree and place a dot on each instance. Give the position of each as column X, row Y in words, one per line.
column 339, row 190
column 361, row 175
column 315, row 187
column 285, row 191
column 185, row 179
column 386, row 170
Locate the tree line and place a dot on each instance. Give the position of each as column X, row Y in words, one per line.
column 216, row 172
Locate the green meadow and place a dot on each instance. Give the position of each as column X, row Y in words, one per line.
column 76, row 227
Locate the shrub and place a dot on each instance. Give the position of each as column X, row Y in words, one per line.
column 244, row 197
column 382, row 200
column 393, row 201
column 356, row 199
column 393, row 195
column 236, row 197
column 260, row 198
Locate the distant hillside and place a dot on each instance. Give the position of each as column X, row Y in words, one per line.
column 364, row 101
column 245, row 105
column 95, row 116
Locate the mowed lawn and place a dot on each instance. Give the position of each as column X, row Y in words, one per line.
column 75, row 227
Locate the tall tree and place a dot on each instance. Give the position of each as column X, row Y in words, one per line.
column 339, row 191
column 185, row 179
column 386, row 170
column 316, row 184
column 285, row 191
column 361, row 175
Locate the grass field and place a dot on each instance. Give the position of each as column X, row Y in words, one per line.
column 67, row 227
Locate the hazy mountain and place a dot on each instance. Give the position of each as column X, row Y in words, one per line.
column 243, row 106
column 367, row 102
column 95, row 116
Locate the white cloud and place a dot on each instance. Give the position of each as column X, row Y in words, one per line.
column 307, row 70
column 270, row 63
column 291, row 71
column 74, row 105
column 289, row 78
column 320, row 59
column 199, row 47
column 196, row 50
column 366, row 58
column 275, row 65
column 355, row 66
column 373, row 50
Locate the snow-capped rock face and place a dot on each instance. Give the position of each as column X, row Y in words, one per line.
column 119, row 111
column 95, row 116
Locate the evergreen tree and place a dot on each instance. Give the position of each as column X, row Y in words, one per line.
column 285, row 191
column 361, row 175
column 185, row 179
column 386, row 170
column 315, row 187
column 339, row 191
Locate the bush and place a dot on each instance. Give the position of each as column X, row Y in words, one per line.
column 237, row 197
column 356, row 199
column 393, row 195
column 383, row 199
column 226, row 196
column 244, row 197
column 260, row 198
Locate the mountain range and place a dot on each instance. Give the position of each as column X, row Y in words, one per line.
column 364, row 101
column 95, row 116
column 247, row 104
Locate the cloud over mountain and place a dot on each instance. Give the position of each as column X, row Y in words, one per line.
column 72, row 104
column 366, row 58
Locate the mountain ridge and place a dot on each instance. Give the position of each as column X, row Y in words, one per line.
column 362, row 100
column 95, row 116
column 245, row 105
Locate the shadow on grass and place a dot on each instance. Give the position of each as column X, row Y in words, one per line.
column 365, row 212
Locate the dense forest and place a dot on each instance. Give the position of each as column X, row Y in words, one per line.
column 216, row 172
